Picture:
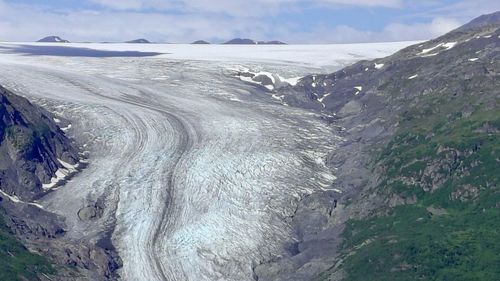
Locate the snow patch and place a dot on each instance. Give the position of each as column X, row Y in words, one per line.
column 358, row 90
column 280, row 98
column 12, row 198
column 320, row 100
column 61, row 174
column 473, row 59
column 449, row 45
column 269, row 87
column 413, row 77
column 16, row 199
column 291, row 81
column 446, row 46
column 425, row 51
column 65, row 129
column 379, row 66
column 324, row 96
column 276, row 79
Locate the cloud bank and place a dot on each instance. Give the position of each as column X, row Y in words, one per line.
column 219, row 20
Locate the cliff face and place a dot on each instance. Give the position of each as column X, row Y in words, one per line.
column 32, row 148
column 36, row 156
column 421, row 131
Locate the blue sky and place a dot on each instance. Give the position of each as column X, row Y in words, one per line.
column 293, row 21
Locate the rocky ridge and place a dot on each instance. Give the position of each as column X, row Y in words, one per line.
column 139, row 41
column 381, row 106
column 53, row 39
column 35, row 157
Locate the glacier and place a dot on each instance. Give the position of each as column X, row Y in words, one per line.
column 199, row 171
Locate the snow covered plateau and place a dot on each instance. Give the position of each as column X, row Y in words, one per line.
column 199, row 170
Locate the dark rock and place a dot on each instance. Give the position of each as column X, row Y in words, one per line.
column 201, row 42
column 139, row 41
column 271, row 43
column 30, row 146
column 489, row 20
column 239, row 41
column 368, row 100
column 53, row 39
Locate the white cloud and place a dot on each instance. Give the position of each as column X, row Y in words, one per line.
column 134, row 4
column 241, row 8
column 436, row 27
column 203, row 21
column 364, row 3
column 28, row 23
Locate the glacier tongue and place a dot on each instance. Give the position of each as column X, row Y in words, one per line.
column 199, row 175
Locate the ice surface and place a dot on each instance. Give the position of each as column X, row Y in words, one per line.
column 309, row 55
column 199, row 171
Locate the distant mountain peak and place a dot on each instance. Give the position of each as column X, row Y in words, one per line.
column 53, row 39
column 275, row 42
column 201, row 42
column 139, row 41
column 240, row 41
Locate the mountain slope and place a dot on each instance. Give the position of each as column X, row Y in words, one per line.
column 32, row 148
column 36, row 156
column 418, row 169
column 16, row 262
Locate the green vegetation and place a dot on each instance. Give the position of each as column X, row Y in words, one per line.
column 452, row 232
column 16, row 262
column 22, row 138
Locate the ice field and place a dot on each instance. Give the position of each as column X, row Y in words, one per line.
column 198, row 170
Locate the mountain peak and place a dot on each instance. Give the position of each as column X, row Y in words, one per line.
column 275, row 42
column 201, row 42
column 53, row 39
column 240, row 41
column 139, row 41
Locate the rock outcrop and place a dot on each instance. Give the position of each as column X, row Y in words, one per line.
column 201, row 42
column 449, row 79
column 53, row 39
column 36, row 156
column 139, row 41
column 32, row 148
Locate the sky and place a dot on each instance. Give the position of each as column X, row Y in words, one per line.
column 184, row 21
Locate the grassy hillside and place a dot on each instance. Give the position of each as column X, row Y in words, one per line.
column 16, row 262
column 441, row 176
